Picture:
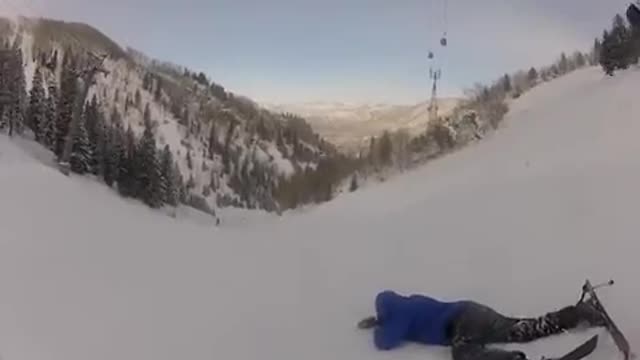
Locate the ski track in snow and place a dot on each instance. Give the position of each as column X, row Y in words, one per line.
column 517, row 221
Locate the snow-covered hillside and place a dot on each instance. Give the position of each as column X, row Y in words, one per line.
column 350, row 126
column 517, row 221
column 229, row 150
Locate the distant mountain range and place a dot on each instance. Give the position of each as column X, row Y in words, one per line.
column 349, row 126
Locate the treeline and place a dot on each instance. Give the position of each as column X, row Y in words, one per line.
column 482, row 110
column 13, row 97
column 619, row 46
column 102, row 148
column 238, row 132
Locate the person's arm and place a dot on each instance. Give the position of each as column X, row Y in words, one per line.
column 391, row 333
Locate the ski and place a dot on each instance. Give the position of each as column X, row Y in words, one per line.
column 617, row 335
column 580, row 351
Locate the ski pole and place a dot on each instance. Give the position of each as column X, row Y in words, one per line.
column 587, row 287
column 605, row 284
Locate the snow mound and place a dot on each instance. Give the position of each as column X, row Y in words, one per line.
column 517, row 222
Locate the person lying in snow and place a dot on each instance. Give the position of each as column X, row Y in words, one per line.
column 466, row 326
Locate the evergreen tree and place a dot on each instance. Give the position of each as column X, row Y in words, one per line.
column 158, row 93
column 634, row 44
column 149, row 176
column 20, row 92
column 373, row 152
column 147, row 81
column 189, row 161
column 386, row 149
column 354, row 183
column 214, row 147
column 127, row 104
column 532, row 76
column 579, row 60
column 607, row 54
column 108, row 150
column 138, row 99
column 36, row 112
column 179, row 183
column 616, row 53
column 80, row 160
column 226, row 156
column 13, row 74
column 128, row 166
column 99, row 149
column 595, row 52
column 91, row 113
column 563, row 64
column 506, row 84
column 4, row 119
column 167, row 169
column 115, row 117
column 116, row 154
column 49, row 128
column 96, row 131
column 68, row 93
column 147, row 114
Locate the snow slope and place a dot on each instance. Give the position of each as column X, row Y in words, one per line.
column 517, row 221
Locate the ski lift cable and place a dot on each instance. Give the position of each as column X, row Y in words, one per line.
column 446, row 16
column 430, row 28
column 445, row 23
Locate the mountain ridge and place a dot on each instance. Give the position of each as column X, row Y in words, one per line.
column 230, row 151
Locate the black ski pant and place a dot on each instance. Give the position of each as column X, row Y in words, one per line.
column 478, row 325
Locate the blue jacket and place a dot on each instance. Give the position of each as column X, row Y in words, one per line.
column 414, row 318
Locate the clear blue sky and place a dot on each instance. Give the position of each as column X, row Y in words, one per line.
column 341, row 50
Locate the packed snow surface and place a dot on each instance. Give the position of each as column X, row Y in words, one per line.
column 518, row 222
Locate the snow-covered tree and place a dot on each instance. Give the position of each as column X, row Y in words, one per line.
column 532, row 76
column 563, row 64
column 214, row 146
column 115, row 153
column 128, row 166
column 354, row 183
column 595, row 52
column 81, row 151
column 4, row 119
column 95, row 124
column 189, row 160
column 170, row 185
column 149, row 175
column 138, row 99
column 67, row 96
column 16, row 88
column 386, row 149
column 20, row 93
column 506, row 84
column 36, row 111
column 147, row 114
column 616, row 52
column 49, row 126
